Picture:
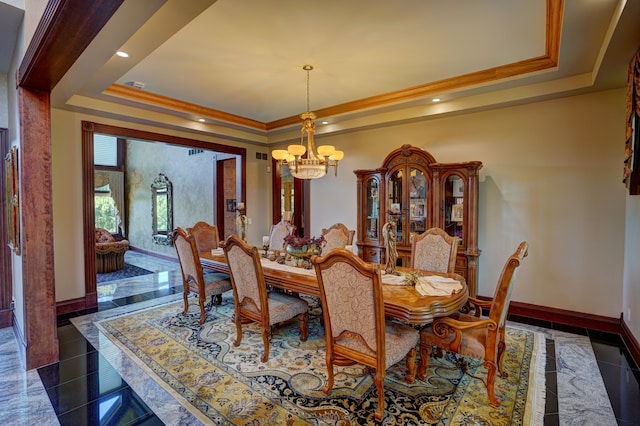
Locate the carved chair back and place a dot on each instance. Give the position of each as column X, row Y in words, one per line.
column 206, row 236
column 337, row 236
column 277, row 234
column 434, row 250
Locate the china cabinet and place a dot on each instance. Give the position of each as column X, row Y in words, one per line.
column 415, row 192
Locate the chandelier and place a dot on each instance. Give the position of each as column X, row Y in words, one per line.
column 307, row 162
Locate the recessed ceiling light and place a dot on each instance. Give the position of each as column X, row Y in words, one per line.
column 201, row 120
column 435, row 100
column 122, row 54
column 324, row 122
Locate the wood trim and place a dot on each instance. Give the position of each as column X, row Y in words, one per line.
column 578, row 319
column 65, row 30
column 6, row 268
column 38, row 276
column 88, row 129
column 88, row 212
column 553, row 33
column 71, row 305
column 631, row 342
column 562, row 316
column 166, row 103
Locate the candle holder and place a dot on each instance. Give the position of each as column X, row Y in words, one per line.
column 265, row 247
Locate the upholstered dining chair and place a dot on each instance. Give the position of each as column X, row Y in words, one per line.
column 252, row 301
column 337, row 236
column 471, row 335
column 193, row 278
column 277, row 234
column 434, row 250
column 354, row 320
column 206, row 236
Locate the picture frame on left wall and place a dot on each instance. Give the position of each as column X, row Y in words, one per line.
column 12, row 199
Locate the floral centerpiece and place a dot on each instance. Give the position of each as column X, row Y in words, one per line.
column 303, row 246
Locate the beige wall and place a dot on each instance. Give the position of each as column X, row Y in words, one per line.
column 551, row 176
column 67, row 195
column 192, row 181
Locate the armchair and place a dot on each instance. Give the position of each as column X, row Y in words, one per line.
column 473, row 336
column 109, row 252
column 354, row 321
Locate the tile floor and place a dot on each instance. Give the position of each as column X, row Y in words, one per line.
column 590, row 378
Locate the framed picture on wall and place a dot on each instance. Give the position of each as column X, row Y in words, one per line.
column 456, row 213
column 13, row 200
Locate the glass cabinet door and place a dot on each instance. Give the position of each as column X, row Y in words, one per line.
column 454, row 206
column 417, row 203
column 394, row 203
column 372, row 208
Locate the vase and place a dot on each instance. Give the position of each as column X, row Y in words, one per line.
column 305, row 251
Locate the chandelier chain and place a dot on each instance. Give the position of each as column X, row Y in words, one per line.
column 308, row 91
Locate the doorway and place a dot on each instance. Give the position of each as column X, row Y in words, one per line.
column 89, row 129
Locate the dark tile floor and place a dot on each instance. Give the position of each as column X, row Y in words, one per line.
column 85, row 390
column 619, row 372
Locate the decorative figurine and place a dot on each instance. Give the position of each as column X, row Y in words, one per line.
column 241, row 222
column 389, row 234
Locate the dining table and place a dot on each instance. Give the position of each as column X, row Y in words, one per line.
column 401, row 301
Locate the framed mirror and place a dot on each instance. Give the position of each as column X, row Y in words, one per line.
column 162, row 210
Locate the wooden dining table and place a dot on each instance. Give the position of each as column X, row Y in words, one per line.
column 402, row 302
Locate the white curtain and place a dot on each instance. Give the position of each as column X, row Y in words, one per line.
column 115, row 180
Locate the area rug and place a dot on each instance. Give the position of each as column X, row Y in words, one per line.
column 127, row 272
column 223, row 384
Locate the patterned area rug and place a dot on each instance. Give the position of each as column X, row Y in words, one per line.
column 127, row 272
column 223, row 384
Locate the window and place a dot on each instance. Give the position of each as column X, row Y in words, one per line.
column 106, row 213
column 105, row 150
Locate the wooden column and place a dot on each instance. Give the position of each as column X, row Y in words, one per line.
column 40, row 338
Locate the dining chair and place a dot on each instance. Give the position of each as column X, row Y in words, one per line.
column 206, row 236
column 337, row 236
column 472, row 335
column 252, row 301
column 354, row 320
column 277, row 234
column 193, row 278
column 434, row 250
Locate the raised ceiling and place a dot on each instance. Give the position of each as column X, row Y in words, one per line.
column 238, row 64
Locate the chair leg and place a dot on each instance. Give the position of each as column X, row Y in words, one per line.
column 327, row 388
column 425, row 353
column 411, row 366
column 266, row 337
column 185, row 296
column 380, row 386
column 304, row 329
column 501, row 350
column 491, row 376
column 238, row 321
column 203, row 314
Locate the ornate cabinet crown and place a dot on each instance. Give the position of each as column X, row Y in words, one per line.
column 416, row 193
